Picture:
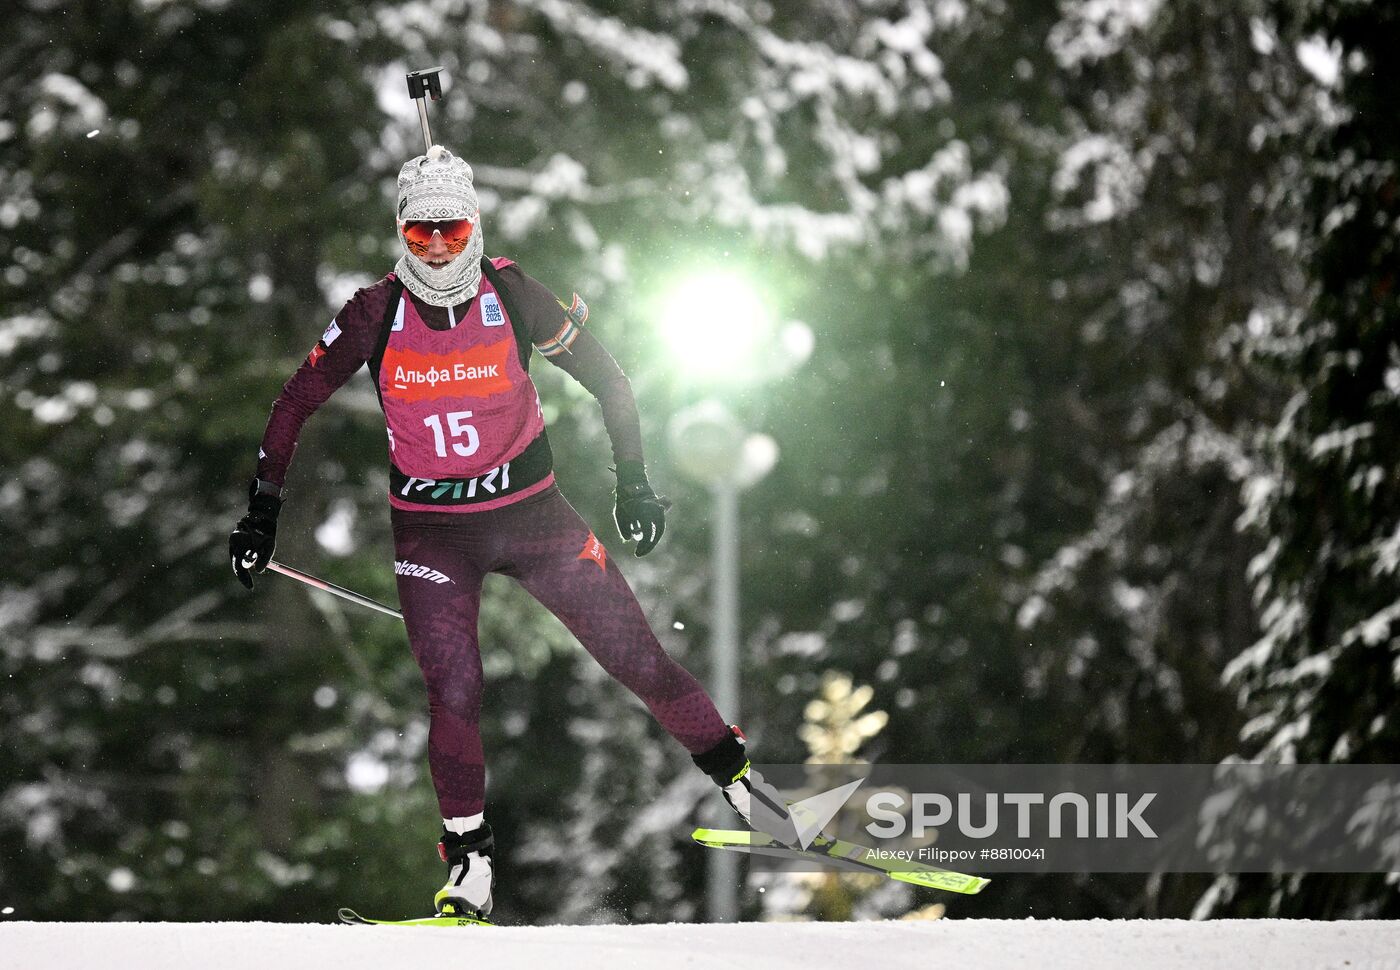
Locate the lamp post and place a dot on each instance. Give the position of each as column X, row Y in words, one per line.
column 712, row 447
column 721, row 333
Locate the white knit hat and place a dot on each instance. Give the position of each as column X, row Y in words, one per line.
column 438, row 186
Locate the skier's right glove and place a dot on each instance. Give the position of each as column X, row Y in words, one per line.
column 253, row 540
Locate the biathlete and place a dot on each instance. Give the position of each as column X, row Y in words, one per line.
column 447, row 337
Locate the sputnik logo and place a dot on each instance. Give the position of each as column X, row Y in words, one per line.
column 811, row 815
column 593, row 550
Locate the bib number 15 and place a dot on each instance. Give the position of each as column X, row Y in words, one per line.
column 456, row 428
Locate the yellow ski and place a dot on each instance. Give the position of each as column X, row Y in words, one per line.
column 355, row 919
column 843, row 855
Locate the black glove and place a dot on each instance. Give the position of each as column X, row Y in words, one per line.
column 252, row 541
column 638, row 511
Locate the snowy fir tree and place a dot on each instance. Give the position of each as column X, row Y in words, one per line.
column 1322, row 682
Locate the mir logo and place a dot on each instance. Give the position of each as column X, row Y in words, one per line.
column 1109, row 814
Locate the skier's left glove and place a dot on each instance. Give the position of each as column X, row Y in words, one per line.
column 253, row 540
column 638, row 511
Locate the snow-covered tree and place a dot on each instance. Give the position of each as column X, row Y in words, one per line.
column 1322, row 682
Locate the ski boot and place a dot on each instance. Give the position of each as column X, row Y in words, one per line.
column 758, row 803
column 470, row 874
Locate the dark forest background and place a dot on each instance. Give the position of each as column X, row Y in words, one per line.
column 1094, row 460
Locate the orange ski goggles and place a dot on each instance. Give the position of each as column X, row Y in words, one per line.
column 456, row 233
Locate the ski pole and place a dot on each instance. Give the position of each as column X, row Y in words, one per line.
column 422, row 85
column 340, row 591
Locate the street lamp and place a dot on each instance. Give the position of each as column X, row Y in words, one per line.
column 715, row 325
column 710, row 446
column 721, row 334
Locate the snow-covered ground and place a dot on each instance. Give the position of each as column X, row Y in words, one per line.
column 977, row 944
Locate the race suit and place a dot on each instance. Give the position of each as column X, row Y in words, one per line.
column 472, row 492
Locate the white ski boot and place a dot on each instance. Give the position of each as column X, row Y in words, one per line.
column 470, row 874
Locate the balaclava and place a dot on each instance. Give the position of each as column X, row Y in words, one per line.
column 438, row 186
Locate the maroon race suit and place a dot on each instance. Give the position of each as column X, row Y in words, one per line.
column 472, row 492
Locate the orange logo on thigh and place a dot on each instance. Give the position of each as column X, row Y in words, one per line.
column 593, row 549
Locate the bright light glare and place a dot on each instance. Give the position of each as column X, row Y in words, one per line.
column 715, row 324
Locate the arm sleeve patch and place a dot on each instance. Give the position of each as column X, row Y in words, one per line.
column 575, row 314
